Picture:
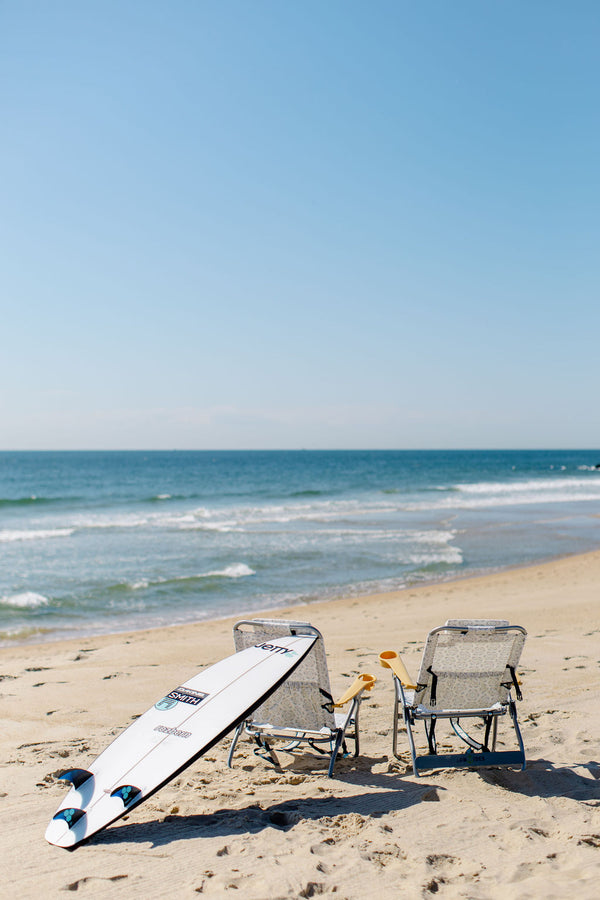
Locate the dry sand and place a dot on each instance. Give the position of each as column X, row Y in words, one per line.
column 375, row 830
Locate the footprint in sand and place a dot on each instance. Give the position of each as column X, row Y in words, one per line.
column 592, row 840
column 75, row 885
column 313, row 889
column 323, row 846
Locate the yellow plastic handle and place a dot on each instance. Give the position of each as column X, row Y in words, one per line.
column 362, row 683
column 389, row 659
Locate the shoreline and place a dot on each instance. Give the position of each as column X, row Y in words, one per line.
column 459, row 833
column 286, row 609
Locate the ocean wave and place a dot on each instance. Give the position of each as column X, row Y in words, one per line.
column 348, row 535
column 497, row 501
column 36, row 500
column 430, row 537
column 24, row 600
column 451, row 556
column 235, row 570
column 40, row 534
column 482, row 494
column 21, row 635
column 306, row 493
column 160, row 498
column 23, row 501
column 533, row 484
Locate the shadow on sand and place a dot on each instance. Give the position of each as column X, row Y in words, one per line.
column 542, row 779
column 392, row 796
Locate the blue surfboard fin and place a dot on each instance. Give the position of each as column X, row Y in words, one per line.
column 70, row 815
column 76, row 777
column 127, row 793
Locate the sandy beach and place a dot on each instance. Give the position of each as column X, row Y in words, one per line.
column 374, row 829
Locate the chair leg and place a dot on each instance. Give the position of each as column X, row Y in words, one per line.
column 396, row 718
column 411, row 741
column 353, row 720
column 236, row 737
column 336, row 749
column 513, row 714
column 486, row 739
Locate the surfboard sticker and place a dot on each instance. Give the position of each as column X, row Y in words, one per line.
column 169, row 736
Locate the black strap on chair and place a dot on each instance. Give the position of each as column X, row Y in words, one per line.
column 430, row 732
column 433, row 692
column 514, row 682
column 330, row 705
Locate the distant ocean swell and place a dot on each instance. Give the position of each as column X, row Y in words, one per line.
column 450, row 497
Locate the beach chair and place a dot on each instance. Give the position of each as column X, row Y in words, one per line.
column 302, row 709
column 468, row 671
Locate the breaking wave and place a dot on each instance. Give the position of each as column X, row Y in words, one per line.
column 24, row 600
column 40, row 534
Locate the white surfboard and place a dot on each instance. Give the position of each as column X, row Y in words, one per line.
column 172, row 734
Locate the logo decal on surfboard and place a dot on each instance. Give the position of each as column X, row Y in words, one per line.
column 275, row 648
column 180, row 695
column 173, row 731
column 166, row 703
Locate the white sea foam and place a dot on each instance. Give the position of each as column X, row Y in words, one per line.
column 512, row 493
column 8, row 536
column 24, row 600
column 533, row 484
column 119, row 521
column 451, row 556
column 430, row 537
column 248, row 517
column 236, row 570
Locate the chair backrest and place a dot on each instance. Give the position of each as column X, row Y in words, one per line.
column 467, row 664
column 303, row 700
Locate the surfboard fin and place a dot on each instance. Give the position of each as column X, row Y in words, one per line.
column 70, row 815
column 76, row 777
column 127, row 793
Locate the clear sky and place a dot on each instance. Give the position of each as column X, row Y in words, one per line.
column 299, row 223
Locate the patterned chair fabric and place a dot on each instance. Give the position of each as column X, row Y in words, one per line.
column 304, row 699
column 467, row 666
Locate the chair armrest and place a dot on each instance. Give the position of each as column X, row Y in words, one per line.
column 389, row 659
column 362, row 683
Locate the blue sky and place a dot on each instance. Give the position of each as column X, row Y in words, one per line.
column 331, row 224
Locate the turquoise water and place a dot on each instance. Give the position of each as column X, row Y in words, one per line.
column 110, row 541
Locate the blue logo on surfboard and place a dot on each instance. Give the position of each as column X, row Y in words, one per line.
column 166, row 703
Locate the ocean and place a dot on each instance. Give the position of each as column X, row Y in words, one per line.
column 96, row 542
